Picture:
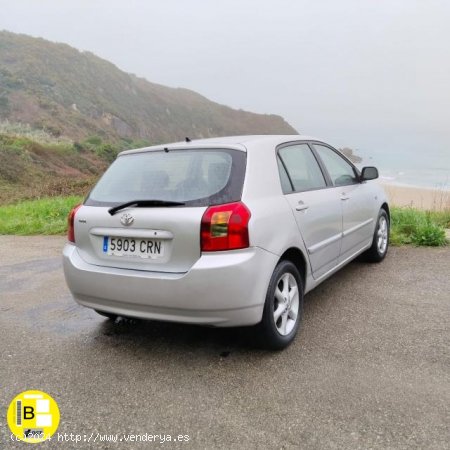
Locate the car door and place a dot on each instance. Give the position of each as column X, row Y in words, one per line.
column 357, row 208
column 316, row 207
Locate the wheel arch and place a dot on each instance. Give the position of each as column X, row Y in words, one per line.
column 296, row 256
column 385, row 206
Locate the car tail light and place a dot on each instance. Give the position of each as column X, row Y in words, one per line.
column 71, row 221
column 225, row 227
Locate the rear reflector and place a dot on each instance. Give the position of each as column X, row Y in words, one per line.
column 71, row 222
column 225, row 227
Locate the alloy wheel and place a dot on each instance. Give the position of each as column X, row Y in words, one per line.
column 286, row 304
column 382, row 235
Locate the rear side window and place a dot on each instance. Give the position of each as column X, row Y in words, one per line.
column 286, row 185
column 302, row 168
column 194, row 177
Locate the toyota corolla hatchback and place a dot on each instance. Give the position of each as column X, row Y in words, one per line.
column 223, row 232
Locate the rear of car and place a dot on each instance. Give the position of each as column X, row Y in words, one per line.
column 224, row 232
column 165, row 235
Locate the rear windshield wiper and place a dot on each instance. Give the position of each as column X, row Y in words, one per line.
column 143, row 204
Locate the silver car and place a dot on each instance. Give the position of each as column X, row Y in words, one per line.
column 223, row 232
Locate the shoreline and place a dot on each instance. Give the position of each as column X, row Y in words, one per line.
column 438, row 187
column 425, row 198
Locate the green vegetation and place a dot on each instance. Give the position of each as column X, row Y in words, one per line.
column 109, row 150
column 49, row 216
column 35, row 164
column 26, row 131
column 44, row 216
column 422, row 228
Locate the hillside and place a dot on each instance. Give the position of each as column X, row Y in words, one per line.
column 34, row 164
column 77, row 94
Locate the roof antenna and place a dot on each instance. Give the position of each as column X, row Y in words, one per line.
column 187, row 139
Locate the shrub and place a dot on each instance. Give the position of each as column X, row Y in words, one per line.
column 108, row 152
column 412, row 226
column 429, row 234
column 93, row 140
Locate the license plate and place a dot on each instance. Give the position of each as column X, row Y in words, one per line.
column 140, row 248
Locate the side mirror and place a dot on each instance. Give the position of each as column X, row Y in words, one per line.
column 369, row 173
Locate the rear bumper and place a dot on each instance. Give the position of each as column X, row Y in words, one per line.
column 221, row 289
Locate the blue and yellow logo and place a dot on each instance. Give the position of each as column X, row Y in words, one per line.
column 33, row 416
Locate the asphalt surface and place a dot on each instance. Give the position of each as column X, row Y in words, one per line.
column 370, row 367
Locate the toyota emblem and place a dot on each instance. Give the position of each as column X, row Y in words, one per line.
column 126, row 219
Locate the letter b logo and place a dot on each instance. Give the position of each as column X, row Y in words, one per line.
column 33, row 416
column 28, row 412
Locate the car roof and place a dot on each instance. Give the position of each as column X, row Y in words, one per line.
column 244, row 143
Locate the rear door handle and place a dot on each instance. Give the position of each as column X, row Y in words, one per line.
column 344, row 196
column 301, row 206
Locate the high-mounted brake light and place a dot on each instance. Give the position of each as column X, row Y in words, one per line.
column 225, row 227
column 71, row 222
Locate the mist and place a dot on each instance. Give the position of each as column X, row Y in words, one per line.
column 363, row 74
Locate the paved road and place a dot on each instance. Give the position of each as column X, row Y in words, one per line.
column 370, row 368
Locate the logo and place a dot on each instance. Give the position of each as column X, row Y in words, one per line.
column 126, row 219
column 33, row 416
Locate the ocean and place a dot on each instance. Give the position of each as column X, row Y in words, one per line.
column 429, row 168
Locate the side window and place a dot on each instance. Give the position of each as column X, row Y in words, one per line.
column 302, row 167
column 341, row 172
column 286, row 186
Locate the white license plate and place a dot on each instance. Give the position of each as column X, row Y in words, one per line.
column 140, row 248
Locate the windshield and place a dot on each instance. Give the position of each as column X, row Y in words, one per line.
column 193, row 177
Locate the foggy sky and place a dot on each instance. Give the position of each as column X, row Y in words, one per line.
column 362, row 73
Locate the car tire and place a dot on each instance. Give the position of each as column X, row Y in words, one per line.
column 106, row 314
column 380, row 243
column 283, row 308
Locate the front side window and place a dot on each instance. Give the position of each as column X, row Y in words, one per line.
column 341, row 172
column 194, row 177
column 302, row 168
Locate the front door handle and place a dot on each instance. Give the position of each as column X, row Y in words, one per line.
column 344, row 196
column 301, row 206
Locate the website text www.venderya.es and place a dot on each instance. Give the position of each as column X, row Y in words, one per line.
column 118, row 437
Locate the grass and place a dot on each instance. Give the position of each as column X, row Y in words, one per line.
column 43, row 216
column 49, row 216
column 421, row 228
column 42, row 137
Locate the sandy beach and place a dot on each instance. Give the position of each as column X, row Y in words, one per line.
column 418, row 197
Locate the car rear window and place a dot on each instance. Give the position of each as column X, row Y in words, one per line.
column 196, row 177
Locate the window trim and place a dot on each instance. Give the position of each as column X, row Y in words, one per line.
column 279, row 158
